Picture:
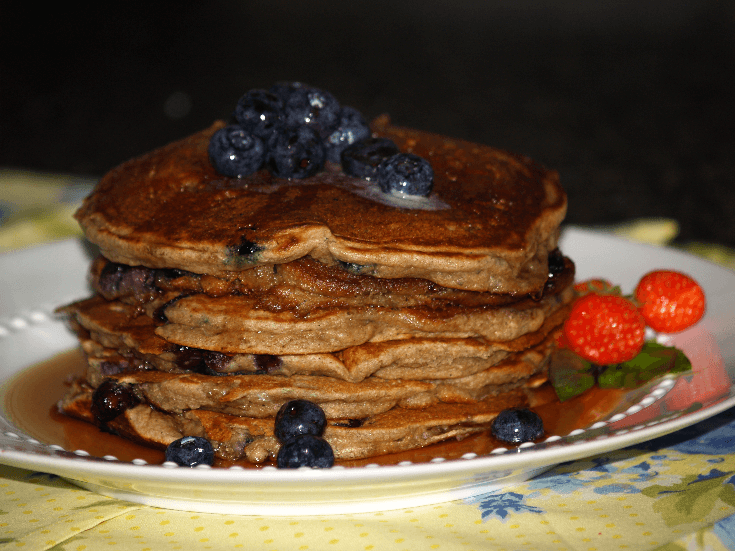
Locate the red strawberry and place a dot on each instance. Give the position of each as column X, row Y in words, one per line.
column 670, row 301
column 605, row 329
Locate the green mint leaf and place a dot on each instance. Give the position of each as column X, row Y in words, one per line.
column 569, row 374
column 681, row 363
column 653, row 361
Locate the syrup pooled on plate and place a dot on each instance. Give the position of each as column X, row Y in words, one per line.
column 30, row 400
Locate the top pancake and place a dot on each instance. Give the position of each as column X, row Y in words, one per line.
column 489, row 224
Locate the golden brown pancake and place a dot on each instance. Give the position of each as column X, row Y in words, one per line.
column 235, row 437
column 257, row 391
column 107, row 327
column 305, row 281
column 499, row 219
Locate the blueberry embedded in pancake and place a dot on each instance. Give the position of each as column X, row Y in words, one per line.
column 244, row 252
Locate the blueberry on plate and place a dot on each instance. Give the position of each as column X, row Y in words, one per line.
column 236, row 153
column 299, row 417
column 111, row 399
column 405, row 173
column 351, row 127
column 305, row 450
column 313, row 107
column 295, row 152
column 361, row 159
column 190, row 451
column 259, row 112
column 516, row 425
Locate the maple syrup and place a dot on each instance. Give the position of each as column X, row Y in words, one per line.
column 30, row 401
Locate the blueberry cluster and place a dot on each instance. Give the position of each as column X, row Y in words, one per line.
column 299, row 426
column 292, row 129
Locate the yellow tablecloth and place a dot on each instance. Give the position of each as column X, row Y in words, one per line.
column 675, row 492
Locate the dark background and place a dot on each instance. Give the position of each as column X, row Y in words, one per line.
column 632, row 101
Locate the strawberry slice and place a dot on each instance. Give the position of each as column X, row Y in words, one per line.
column 605, row 329
column 670, row 301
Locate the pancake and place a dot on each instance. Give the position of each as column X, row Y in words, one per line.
column 272, row 389
column 274, row 320
column 170, row 209
column 235, row 437
column 306, row 281
column 262, row 395
column 392, row 414
column 233, row 324
column 407, row 319
column 112, row 326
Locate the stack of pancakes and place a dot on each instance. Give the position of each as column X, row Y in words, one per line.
column 407, row 320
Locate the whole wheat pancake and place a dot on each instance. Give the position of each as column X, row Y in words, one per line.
column 234, row 437
column 501, row 365
column 305, row 281
column 111, row 327
column 233, row 324
column 280, row 314
column 489, row 224
column 259, row 393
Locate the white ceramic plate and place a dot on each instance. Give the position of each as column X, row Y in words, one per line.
column 34, row 281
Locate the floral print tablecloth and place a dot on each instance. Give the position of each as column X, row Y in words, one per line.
column 673, row 493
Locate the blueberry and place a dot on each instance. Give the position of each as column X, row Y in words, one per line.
column 556, row 262
column 259, row 112
column 349, row 423
column 517, row 425
column 120, row 279
column 284, row 90
column 190, row 451
column 296, row 152
column 245, row 248
column 236, row 153
column 351, row 127
column 115, row 367
column 361, row 159
column 405, row 173
column 351, row 267
column 305, row 450
column 190, row 359
column 111, row 399
column 313, row 107
column 299, row 417
column 267, row 363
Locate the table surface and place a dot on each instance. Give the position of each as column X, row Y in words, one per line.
column 675, row 492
